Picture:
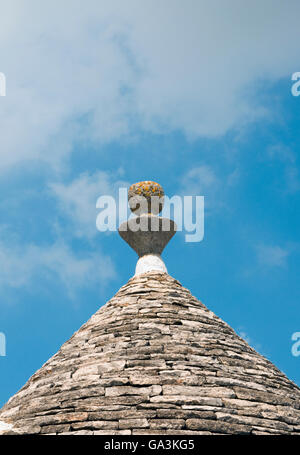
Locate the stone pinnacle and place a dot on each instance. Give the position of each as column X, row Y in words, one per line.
column 147, row 233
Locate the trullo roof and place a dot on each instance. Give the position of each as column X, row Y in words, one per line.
column 154, row 360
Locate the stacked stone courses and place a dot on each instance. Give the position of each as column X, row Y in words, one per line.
column 154, row 360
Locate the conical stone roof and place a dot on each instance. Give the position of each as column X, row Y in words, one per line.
column 154, row 360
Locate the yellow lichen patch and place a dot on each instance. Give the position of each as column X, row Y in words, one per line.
column 148, row 189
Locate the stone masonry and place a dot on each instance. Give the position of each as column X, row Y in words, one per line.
column 154, row 360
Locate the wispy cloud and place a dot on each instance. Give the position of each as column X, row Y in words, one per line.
column 290, row 182
column 22, row 264
column 205, row 180
column 199, row 180
column 282, row 152
column 272, row 256
column 292, row 178
column 103, row 74
column 241, row 331
column 77, row 199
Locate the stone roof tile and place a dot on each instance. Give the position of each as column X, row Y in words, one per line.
column 155, row 360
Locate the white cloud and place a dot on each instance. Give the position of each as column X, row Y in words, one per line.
column 204, row 181
column 271, row 256
column 96, row 72
column 257, row 346
column 199, row 180
column 21, row 264
column 292, row 179
column 245, row 337
column 282, row 152
column 77, row 199
column 290, row 182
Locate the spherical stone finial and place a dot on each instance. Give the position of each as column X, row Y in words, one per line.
column 146, row 197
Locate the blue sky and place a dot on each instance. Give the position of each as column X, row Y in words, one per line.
column 196, row 97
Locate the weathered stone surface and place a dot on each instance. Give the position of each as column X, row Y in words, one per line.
column 265, row 397
column 154, row 360
column 252, row 421
column 133, row 423
column 123, row 414
column 111, row 432
column 170, row 424
column 111, row 366
column 168, row 432
column 185, row 414
column 128, row 390
column 99, row 424
column 78, row 433
column 198, row 391
column 217, row 427
column 51, row 429
column 184, row 399
column 60, row 418
column 143, row 379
